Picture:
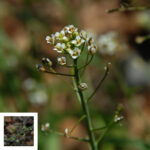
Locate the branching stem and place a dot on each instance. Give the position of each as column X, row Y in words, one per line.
column 70, row 137
column 85, row 108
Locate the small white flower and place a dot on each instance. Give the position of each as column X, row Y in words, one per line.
column 65, row 38
column 83, row 34
column 90, row 41
column 66, row 131
column 47, row 38
column 45, row 127
column 118, row 118
column 75, row 53
column 57, row 34
column 61, row 36
column 92, row 49
column 61, row 60
column 62, row 32
column 50, row 39
column 59, row 47
column 70, row 29
column 78, row 41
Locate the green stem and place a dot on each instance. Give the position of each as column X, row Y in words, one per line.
column 99, row 84
column 100, row 128
column 85, row 108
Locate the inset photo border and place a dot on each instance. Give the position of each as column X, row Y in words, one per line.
column 26, row 138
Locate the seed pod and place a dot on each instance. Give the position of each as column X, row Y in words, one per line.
column 83, row 86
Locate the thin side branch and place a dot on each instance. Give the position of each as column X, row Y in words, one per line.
column 100, row 128
column 110, row 125
column 104, row 133
column 99, row 84
column 61, row 74
column 123, row 9
column 77, row 123
column 69, row 137
column 87, row 63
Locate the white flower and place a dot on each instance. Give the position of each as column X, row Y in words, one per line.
column 61, row 36
column 90, row 41
column 75, row 53
column 66, row 131
column 118, row 118
column 78, row 41
column 50, row 39
column 61, row 60
column 45, row 127
column 70, row 29
column 57, row 34
column 92, row 49
column 59, row 47
column 83, row 34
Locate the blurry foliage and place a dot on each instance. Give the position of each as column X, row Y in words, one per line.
column 23, row 27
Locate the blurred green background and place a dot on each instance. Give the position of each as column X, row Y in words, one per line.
column 24, row 25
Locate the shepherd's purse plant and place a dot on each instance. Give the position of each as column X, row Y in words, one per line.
column 70, row 43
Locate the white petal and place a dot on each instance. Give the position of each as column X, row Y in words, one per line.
column 63, row 46
column 74, row 42
column 47, row 38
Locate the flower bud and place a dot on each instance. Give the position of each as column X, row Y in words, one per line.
column 47, row 61
column 45, row 127
column 61, row 60
column 40, row 67
column 118, row 118
column 140, row 39
column 92, row 49
column 66, row 131
column 83, row 86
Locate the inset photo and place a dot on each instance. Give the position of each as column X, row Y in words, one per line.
column 18, row 131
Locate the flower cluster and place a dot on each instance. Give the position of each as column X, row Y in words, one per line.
column 71, row 41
